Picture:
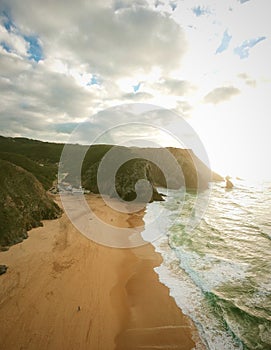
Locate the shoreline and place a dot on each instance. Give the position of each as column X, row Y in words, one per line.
column 154, row 319
column 63, row 291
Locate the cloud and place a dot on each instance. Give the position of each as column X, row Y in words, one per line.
column 12, row 65
column 62, row 61
column 34, row 99
column 158, row 3
column 109, row 43
column 175, row 87
column 184, row 108
column 247, row 79
column 5, row 46
column 221, row 94
column 224, row 43
column 138, row 96
column 140, row 122
column 243, row 1
column 13, row 40
column 244, row 49
column 124, row 4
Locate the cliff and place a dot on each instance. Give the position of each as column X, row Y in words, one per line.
column 45, row 173
column 29, row 167
column 152, row 164
column 23, row 203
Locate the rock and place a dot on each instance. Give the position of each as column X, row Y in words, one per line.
column 229, row 184
column 157, row 196
column 4, row 248
column 3, row 269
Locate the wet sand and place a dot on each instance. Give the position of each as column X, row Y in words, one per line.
column 64, row 291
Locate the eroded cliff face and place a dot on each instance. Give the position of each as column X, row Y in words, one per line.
column 197, row 174
column 23, row 203
column 161, row 167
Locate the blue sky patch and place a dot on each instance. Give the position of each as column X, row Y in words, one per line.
column 224, row 42
column 65, row 128
column 94, row 80
column 173, row 5
column 7, row 21
column 200, row 11
column 158, row 3
column 243, row 50
column 136, row 87
column 35, row 50
column 5, row 46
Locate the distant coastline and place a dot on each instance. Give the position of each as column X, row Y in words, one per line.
column 30, row 169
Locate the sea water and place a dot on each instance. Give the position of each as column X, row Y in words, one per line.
column 219, row 272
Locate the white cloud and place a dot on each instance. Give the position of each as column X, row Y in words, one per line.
column 184, row 108
column 221, row 94
column 171, row 86
column 138, row 96
column 108, row 42
column 13, row 42
column 124, row 4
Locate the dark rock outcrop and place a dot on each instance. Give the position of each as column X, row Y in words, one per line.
column 3, row 269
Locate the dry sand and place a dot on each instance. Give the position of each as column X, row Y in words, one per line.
column 64, row 292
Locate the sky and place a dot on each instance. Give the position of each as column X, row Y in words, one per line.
column 63, row 62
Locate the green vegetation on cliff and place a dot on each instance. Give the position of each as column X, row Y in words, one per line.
column 23, row 203
column 161, row 167
column 45, row 173
column 29, row 168
column 42, row 152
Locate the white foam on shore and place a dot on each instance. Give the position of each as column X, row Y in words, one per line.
column 188, row 296
column 190, row 299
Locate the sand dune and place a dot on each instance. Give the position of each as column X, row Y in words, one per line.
column 63, row 291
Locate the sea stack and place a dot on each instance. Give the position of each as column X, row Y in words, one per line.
column 229, row 184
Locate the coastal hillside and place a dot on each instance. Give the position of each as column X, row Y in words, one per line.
column 45, row 173
column 23, row 203
column 38, row 151
column 29, row 168
column 42, row 159
column 189, row 170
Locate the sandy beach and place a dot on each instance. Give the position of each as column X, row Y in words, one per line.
column 63, row 291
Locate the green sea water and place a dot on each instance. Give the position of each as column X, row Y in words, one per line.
column 220, row 271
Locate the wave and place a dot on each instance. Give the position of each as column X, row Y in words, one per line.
column 248, row 328
column 218, row 273
column 266, row 235
column 251, row 331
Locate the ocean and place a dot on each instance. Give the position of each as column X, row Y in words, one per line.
column 219, row 271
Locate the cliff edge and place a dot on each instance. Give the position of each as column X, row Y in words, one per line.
column 23, row 203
